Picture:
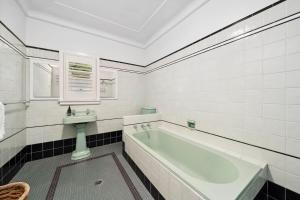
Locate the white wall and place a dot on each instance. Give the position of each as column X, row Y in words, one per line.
column 44, row 118
column 209, row 18
column 43, row 34
column 49, row 113
column 12, row 70
column 12, row 79
column 248, row 91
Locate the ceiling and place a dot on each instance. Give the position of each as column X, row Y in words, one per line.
column 134, row 22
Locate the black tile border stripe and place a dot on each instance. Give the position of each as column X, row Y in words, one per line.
column 120, row 62
column 142, row 122
column 41, row 48
column 6, row 27
column 147, row 183
column 11, row 167
column 127, row 179
column 53, row 148
column 217, row 45
column 226, row 27
column 205, row 37
column 61, row 124
column 224, row 43
column 26, row 46
column 123, row 70
column 223, row 137
column 133, row 190
column 20, row 52
column 27, row 57
column 45, row 125
column 273, row 191
column 227, row 138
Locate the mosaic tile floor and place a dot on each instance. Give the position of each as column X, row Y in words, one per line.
column 72, row 185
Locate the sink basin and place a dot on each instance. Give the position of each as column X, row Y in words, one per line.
column 79, row 120
column 80, row 117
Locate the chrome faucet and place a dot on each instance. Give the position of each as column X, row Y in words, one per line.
column 143, row 126
column 145, row 129
column 135, row 127
column 149, row 125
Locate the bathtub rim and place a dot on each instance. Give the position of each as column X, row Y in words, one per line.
column 177, row 172
column 140, row 144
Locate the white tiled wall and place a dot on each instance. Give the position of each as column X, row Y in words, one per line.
column 45, row 117
column 12, row 73
column 247, row 90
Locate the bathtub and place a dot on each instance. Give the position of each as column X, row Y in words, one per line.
column 209, row 173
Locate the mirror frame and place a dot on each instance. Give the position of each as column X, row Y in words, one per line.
column 34, row 60
column 115, row 72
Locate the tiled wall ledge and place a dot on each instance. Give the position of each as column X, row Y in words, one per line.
column 51, row 132
column 50, row 149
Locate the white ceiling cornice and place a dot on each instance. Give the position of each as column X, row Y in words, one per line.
column 66, row 24
column 177, row 19
column 112, row 22
column 75, row 26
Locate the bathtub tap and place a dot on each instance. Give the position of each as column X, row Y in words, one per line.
column 145, row 129
column 143, row 126
column 149, row 125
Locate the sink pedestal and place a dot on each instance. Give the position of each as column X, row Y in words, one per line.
column 79, row 119
column 81, row 150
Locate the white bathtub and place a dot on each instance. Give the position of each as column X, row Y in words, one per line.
column 199, row 172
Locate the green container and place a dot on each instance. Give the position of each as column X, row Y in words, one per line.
column 148, row 110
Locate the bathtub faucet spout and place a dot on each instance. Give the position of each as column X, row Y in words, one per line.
column 143, row 126
column 149, row 125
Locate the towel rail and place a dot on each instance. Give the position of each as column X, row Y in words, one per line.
column 17, row 102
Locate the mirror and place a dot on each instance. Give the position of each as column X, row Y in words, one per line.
column 108, row 84
column 44, row 79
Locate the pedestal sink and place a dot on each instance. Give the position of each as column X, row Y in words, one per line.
column 79, row 119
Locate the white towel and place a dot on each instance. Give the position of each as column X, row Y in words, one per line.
column 2, row 120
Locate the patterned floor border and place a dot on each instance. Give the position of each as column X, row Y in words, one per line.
column 55, row 179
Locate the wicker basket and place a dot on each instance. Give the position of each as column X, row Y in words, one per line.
column 14, row 191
